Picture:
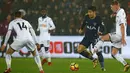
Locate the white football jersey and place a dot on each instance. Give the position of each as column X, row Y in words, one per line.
column 120, row 18
column 21, row 28
column 44, row 25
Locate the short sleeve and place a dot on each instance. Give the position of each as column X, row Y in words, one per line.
column 10, row 26
column 29, row 25
column 121, row 17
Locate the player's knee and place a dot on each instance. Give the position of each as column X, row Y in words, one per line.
column 102, row 38
column 10, row 51
column 34, row 53
column 80, row 48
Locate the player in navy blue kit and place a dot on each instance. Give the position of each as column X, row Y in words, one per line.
column 94, row 27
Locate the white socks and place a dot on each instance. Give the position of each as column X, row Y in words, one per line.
column 38, row 62
column 48, row 56
column 8, row 60
column 120, row 59
column 98, row 45
column 45, row 54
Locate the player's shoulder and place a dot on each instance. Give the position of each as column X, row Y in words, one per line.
column 49, row 18
column 11, row 23
column 40, row 18
column 24, row 20
column 121, row 11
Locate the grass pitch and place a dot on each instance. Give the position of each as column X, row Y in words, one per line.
column 27, row 65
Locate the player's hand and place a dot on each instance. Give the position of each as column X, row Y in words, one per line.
column 80, row 31
column 123, row 42
column 3, row 47
column 50, row 31
column 99, row 33
column 38, row 46
column 38, row 29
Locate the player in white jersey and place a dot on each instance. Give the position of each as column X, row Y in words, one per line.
column 45, row 25
column 118, row 37
column 25, row 37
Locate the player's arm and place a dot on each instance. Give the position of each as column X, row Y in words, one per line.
column 7, row 37
column 38, row 28
column 33, row 34
column 34, row 37
column 122, row 30
column 122, row 22
column 52, row 26
column 123, row 34
column 82, row 26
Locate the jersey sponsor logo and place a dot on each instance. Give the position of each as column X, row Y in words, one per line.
column 91, row 27
column 44, row 25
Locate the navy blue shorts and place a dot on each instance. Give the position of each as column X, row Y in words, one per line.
column 88, row 41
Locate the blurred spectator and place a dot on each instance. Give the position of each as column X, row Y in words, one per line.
column 61, row 11
column 72, row 29
column 107, row 21
column 128, row 19
column 3, row 30
column 5, row 7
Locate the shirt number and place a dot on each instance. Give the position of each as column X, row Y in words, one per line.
column 21, row 26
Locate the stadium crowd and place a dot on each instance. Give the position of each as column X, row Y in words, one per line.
column 66, row 14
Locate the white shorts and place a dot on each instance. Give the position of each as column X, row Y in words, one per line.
column 116, row 40
column 19, row 44
column 46, row 43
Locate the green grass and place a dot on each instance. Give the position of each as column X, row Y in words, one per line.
column 27, row 65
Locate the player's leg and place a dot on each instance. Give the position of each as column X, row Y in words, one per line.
column 2, row 42
column 31, row 46
column 47, row 52
column 42, row 54
column 9, row 52
column 48, row 55
column 82, row 51
column 14, row 46
column 101, row 60
column 101, row 41
column 120, row 58
column 37, row 59
column 117, row 45
column 117, row 56
column 99, row 54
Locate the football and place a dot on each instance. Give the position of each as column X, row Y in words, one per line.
column 74, row 66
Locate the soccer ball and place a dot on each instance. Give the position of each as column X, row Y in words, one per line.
column 74, row 66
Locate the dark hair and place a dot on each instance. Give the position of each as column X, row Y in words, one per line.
column 18, row 14
column 115, row 3
column 93, row 8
